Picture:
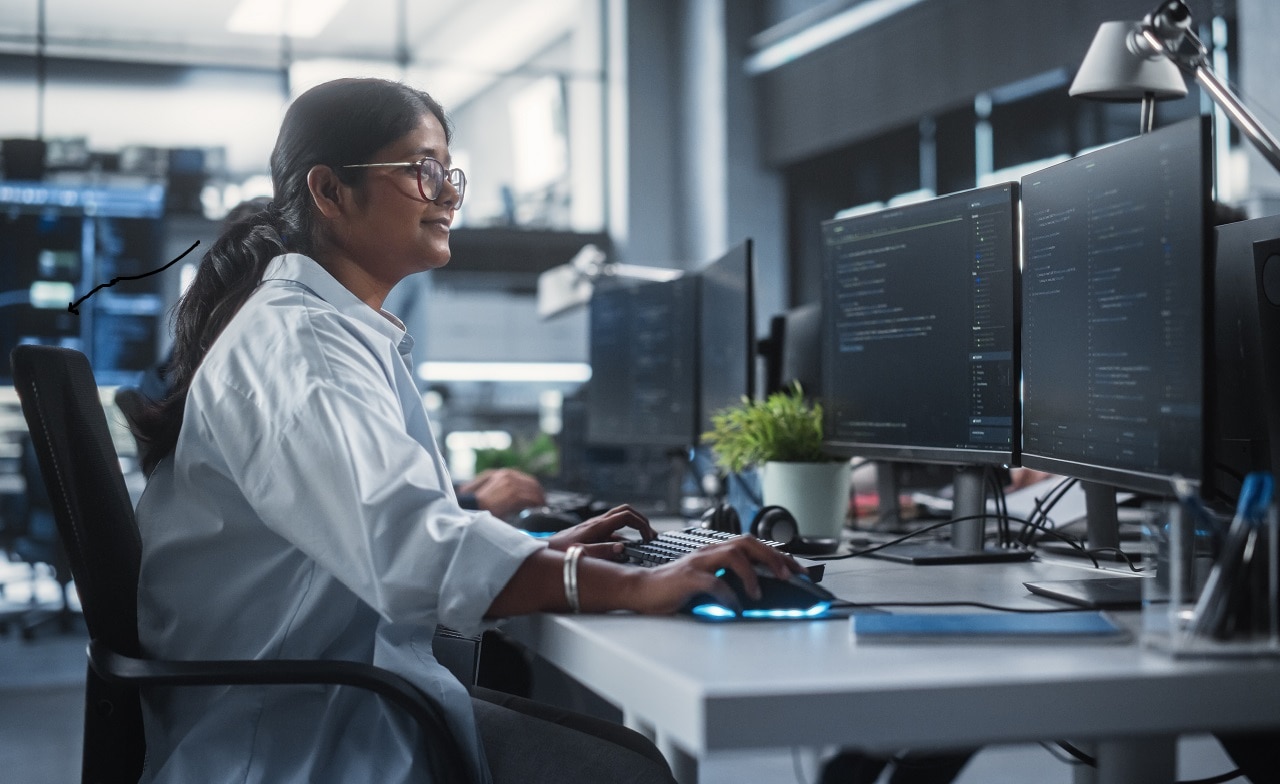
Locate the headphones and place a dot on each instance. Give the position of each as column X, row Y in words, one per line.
column 723, row 518
column 772, row 523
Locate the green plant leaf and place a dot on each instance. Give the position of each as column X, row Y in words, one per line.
column 783, row 427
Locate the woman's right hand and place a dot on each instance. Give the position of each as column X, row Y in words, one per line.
column 665, row 589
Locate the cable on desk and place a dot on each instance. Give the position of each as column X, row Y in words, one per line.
column 1043, row 507
column 1093, row 763
column 1027, row 523
column 911, row 534
column 1002, row 506
column 1123, row 556
column 982, row 605
column 1041, row 511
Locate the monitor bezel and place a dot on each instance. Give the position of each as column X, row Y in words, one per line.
column 702, row 417
column 1132, row 479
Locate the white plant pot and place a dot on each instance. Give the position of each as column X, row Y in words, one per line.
column 816, row 494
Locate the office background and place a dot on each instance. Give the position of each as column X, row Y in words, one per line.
column 663, row 131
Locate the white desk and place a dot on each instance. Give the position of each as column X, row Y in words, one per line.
column 701, row 689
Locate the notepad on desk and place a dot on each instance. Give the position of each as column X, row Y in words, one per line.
column 1077, row 626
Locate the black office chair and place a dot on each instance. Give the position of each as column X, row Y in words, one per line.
column 95, row 518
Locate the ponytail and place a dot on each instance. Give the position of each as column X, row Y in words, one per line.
column 229, row 273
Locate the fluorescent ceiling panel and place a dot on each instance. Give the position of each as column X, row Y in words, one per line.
column 295, row 18
column 828, row 31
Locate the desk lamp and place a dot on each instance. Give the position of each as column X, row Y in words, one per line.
column 1116, row 69
column 571, row 284
column 1146, row 61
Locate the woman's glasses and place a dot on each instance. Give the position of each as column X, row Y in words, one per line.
column 432, row 175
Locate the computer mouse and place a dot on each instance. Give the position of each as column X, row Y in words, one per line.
column 544, row 519
column 797, row 596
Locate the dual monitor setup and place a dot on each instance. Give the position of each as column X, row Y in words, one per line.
column 1089, row 321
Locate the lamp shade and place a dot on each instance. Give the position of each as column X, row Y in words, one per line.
column 1113, row 71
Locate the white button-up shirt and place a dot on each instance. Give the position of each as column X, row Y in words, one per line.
column 307, row 513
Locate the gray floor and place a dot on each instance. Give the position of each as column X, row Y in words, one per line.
column 42, row 680
column 41, row 707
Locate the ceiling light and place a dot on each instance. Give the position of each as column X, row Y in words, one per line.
column 293, row 18
column 530, row 372
column 828, row 31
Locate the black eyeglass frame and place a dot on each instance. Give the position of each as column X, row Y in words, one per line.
column 439, row 175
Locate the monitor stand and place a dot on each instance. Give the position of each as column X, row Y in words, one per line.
column 969, row 509
column 1102, row 533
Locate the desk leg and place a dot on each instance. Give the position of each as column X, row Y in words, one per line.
column 683, row 765
column 1132, row 761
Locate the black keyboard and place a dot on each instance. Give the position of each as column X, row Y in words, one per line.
column 673, row 544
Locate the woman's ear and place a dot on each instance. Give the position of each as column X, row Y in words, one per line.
column 327, row 191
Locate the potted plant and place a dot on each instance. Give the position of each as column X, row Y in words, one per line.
column 781, row 437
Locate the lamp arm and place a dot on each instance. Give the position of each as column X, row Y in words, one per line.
column 638, row 272
column 1222, row 95
column 1195, row 61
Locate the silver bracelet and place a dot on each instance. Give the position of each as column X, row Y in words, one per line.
column 571, row 557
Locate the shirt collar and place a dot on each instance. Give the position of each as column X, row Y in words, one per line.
column 307, row 271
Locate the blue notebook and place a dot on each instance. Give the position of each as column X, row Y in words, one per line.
column 1084, row 625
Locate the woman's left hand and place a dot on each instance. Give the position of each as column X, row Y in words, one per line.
column 599, row 535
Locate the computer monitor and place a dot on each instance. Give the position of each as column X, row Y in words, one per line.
column 920, row 347
column 643, row 388
column 1242, row 437
column 1115, row 340
column 793, row 350
column 727, row 332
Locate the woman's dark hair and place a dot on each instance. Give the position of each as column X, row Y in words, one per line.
column 336, row 123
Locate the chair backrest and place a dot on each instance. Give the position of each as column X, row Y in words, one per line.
column 82, row 473
column 94, row 515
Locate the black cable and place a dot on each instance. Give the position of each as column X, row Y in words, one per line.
column 1041, row 509
column 1230, row 775
column 1077, row 754
column 1123, row 556
column 1045, row 505
column 1059, row 756
column 1002, row 502
column 1093, row 763
column 935, row 526
column 796, row 767
column 1071, row 541
column 996, row 488
column 982, row 605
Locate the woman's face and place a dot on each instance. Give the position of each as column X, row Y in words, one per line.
column 393, row 232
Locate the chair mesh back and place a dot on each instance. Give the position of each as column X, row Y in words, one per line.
column 82, row 473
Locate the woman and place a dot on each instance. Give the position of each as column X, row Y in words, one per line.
column 298, row 506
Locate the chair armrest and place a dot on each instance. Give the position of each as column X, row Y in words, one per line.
column 445, row 757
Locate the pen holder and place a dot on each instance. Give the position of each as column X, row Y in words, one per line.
column 1214, row 590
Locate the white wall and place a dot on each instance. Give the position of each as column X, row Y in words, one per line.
column 1260, row 89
